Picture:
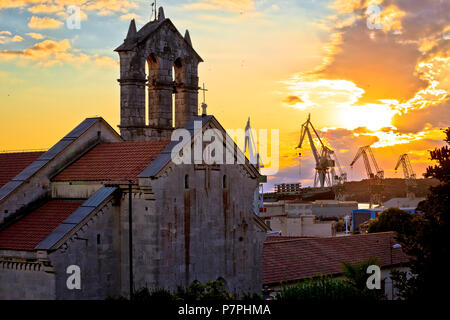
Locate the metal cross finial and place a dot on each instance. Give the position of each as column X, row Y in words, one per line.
column 204, row 92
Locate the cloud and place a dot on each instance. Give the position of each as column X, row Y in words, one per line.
column 50, row 53
column 6, row 36
column 418, row 120
column 101, row 7
column 129, row 16
column 46, row 8
column 44, row 23
column 36, row 36
column 220, row 5
column 292, row 100
column 319, row 92
column 17, row 39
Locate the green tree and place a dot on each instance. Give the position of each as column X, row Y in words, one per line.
column 325, row 288
column 429, row 241
column 392, row 219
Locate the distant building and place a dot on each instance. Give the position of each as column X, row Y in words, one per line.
column 288, row 188
column 295, row 219
column 403, row 202
column 292, row 260
column 333, row 208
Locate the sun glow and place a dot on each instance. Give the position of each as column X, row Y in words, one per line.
column 372, row 116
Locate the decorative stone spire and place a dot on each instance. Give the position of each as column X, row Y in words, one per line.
column 187, row 37
column 132, row 30
column 161, row 15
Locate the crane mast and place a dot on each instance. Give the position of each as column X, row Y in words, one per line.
column 376, row 185
column 255, row 159
column 325, row 159
column 410, row 176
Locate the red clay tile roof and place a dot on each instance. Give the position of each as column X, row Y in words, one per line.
column 11, row 164
column 300, row 258
column 117, row 161
column 28, row 232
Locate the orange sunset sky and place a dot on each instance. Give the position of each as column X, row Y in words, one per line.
column 273, row 61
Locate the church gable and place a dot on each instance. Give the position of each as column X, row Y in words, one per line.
column 33, row 182
column 164, row 160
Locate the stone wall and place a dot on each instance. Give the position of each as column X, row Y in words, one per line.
column 202, row 232
column 24, row 276
column 95, row 249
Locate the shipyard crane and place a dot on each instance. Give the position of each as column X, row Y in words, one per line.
column 410, row 176
column 255, row 159
column 338, row 178
column 375, row 178
column 326, row 161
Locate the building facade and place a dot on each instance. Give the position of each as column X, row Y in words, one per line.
column 67, row 211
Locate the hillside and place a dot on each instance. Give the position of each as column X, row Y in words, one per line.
column 393, row 188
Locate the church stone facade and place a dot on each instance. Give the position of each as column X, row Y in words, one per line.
column 70, row 206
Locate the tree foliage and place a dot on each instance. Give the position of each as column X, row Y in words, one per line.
column 392, row 219
column 211, row 291
column 429, row 240
column 325, row 288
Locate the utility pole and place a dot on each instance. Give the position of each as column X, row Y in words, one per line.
column 130, row 235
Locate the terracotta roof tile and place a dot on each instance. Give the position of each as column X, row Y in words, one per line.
column 117, row 161
column 11, row 164
column 28, row 232
column 300, row 258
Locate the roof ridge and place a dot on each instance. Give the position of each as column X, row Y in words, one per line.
column 330, row 237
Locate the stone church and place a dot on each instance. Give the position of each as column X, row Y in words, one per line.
column 67, row 212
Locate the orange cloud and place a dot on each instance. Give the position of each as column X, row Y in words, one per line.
column 44, row 23
column 49, row 53
column 6, row 36
column 292, row 100
column 219, row 5
column 46, row 8
column 36, row 36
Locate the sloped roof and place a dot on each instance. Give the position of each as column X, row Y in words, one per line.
column 28, row 232
column 115, row 161
column 301, row 258
column 11, row 164
column 48, row 156
column 76, row 217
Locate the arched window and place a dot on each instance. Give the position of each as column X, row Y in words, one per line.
column 153, row 75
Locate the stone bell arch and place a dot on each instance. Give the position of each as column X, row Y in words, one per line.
column 172, row 70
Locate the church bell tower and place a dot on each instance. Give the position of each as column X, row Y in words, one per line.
column 158, row 80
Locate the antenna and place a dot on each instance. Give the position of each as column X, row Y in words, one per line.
column 154, row 9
